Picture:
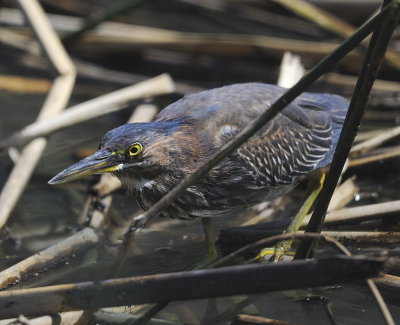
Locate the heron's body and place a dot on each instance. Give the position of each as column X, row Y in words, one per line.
column 185, row 134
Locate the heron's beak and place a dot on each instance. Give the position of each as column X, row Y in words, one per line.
column 100, row 162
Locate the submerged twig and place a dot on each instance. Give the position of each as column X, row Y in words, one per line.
column 390, row 283
column 231, row 311
column 381, row 303
column 107, row 317
column 243, row 319
column 71, row 317
column 149, row 314
column 48, row 258
column 66, row 318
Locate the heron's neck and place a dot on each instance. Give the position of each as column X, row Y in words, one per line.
column 146, row 189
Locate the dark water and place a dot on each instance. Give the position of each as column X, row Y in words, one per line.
column 47, row 214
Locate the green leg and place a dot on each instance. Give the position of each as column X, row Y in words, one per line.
column 211, row 251
column 316, row 180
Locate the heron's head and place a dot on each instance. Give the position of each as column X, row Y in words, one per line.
column 129, row 150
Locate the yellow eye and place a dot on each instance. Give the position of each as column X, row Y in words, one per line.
column 134, row 149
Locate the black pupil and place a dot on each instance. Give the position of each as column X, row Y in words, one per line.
column 134, row 150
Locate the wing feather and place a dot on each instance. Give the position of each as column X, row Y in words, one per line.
column 298, row 140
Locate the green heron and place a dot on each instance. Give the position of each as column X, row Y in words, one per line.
column 151, row 158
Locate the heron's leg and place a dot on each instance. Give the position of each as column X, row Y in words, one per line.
column 211, row 251
column 314, row 186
